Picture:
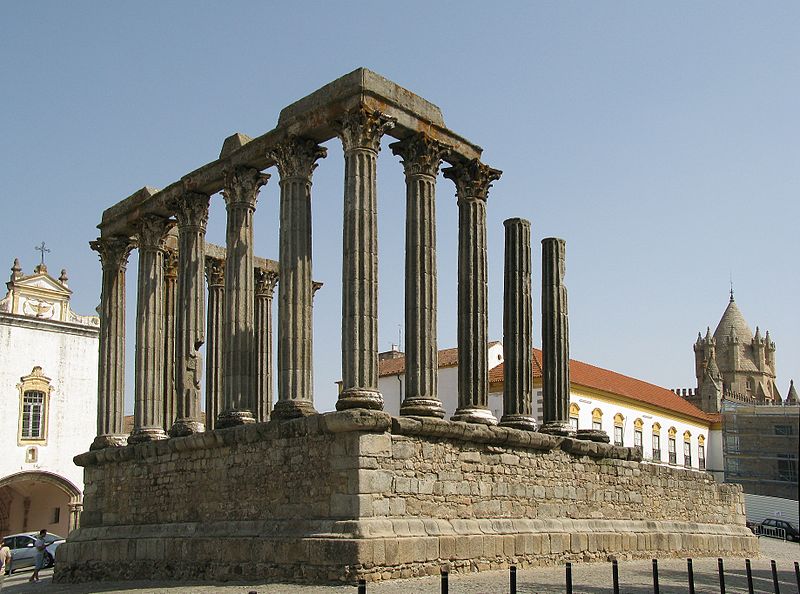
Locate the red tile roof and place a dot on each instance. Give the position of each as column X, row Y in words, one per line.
column 589, row 376
column 397, row 365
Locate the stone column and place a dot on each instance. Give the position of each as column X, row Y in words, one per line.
column 114, row 253
column 296, row 160
column 421, row 158
column 238, row 349
column 191, row 210
column 170, row 283
column 215, row 276
column 75, row 508
column 517, row 322
column 265, row 287
column 555, row 340
column 360, row 131
column 473, row 180
column 148, row 413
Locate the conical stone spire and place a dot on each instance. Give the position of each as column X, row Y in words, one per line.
column 791, row 398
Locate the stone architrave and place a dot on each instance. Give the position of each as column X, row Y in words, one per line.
column 242, row 185
column 360, row 131
column 170, row 302
column 215, row 277
column 148, row 411
column 517, row 323
column 113, row 253
column 555, row 340
column 421, row 157
column 472, row 180
column 191, row 210
column 296, row 160
column 265, row 288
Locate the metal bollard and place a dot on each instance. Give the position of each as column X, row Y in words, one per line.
column 512, row 577
column 749, row 571
column 569, row 577
column 775, row 577
column 655, row 576
column 721, row 571
column 445, row 585
column 615, row 575
column 690, row 570
column 362, row 586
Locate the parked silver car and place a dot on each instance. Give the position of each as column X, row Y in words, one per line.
column 23, row 552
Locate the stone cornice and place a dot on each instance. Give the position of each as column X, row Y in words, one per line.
column 8, row 319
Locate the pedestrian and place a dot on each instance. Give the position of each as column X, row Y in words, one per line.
column 5, row 562
column 40, row 545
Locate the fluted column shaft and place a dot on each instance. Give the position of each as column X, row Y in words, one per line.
column 170, row 299
column 421, row 158
column 114, row 253
column 360, row 131
column 215, row 275
column 517, row 322
column 265, row 286
column 555, row 339
column 238, row 349
column 296, row 160
column 472, row 180
column 192, row 215
column 148, row 412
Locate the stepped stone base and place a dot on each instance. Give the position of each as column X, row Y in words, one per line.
column 357, row 493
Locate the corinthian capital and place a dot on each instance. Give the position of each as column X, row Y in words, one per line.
column 152, row 231
column 113, row 251
column 242, row 185
column 191, row 210
column 265, row 282
column 472, row 179
column 215, row 272
column 421, row 154
column 171, row 263
column 297, row 157
column 363, row 128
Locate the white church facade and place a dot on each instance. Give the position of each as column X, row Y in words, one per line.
column 48, row 408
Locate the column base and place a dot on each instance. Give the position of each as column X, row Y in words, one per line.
column 234, row 418
column 292, row 409
column 183, row 427
column 524, row 422
column 143, row 434
column 422, row 407
column 360, row 398
column 472, row 414
column 109, row 441
column 557, row 428
column 597, row 435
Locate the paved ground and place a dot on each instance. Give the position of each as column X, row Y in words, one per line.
column 635, row 578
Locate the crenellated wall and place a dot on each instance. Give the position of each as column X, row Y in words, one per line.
column 355, row 494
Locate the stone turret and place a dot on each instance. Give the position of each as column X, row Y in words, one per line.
column 791, row 398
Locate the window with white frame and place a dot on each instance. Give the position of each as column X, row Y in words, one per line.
column 34, row 395
column 32, row 415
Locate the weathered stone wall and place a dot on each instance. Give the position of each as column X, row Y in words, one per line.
column 358, row 493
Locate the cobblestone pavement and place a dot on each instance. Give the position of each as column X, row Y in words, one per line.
column 635, row 578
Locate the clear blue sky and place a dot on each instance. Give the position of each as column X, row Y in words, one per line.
column 661, row 140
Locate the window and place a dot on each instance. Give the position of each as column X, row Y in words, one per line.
column 701, row 456
column 687, row 454
column 55, row 518
column 732, row 466
column 34, row 394
column 597, row 419
column 637, row 438
column 32, row 409
column 573, row 422
column 656, row 442
column 31, row 455
column 574, row 410
column 787, row 468
column 619, row 422
column 783, row 430
column 673, row 456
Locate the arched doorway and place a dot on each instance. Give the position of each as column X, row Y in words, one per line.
column 32, row 500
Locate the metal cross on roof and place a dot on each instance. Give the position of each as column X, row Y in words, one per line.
column 43, row 249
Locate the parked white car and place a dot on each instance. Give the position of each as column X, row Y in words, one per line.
column 23, row 552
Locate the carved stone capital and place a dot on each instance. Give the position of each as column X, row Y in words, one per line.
column 472, row 179
column 170, row 264
column 363, row 128
column 215, row 272
column 420, row 154
column 113, row 251
column 297, row 157
column 191, row 210
column 242, row 185
column 152, row 231
column 265, row 282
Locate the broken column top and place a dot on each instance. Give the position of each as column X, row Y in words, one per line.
column 312, row 116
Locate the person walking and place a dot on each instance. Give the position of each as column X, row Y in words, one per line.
column 5, row 562
column 40, row 545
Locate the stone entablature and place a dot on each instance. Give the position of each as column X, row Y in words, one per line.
column 359, row 493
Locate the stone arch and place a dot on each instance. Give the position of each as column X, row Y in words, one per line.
column 71, row 499
column 73, row 492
